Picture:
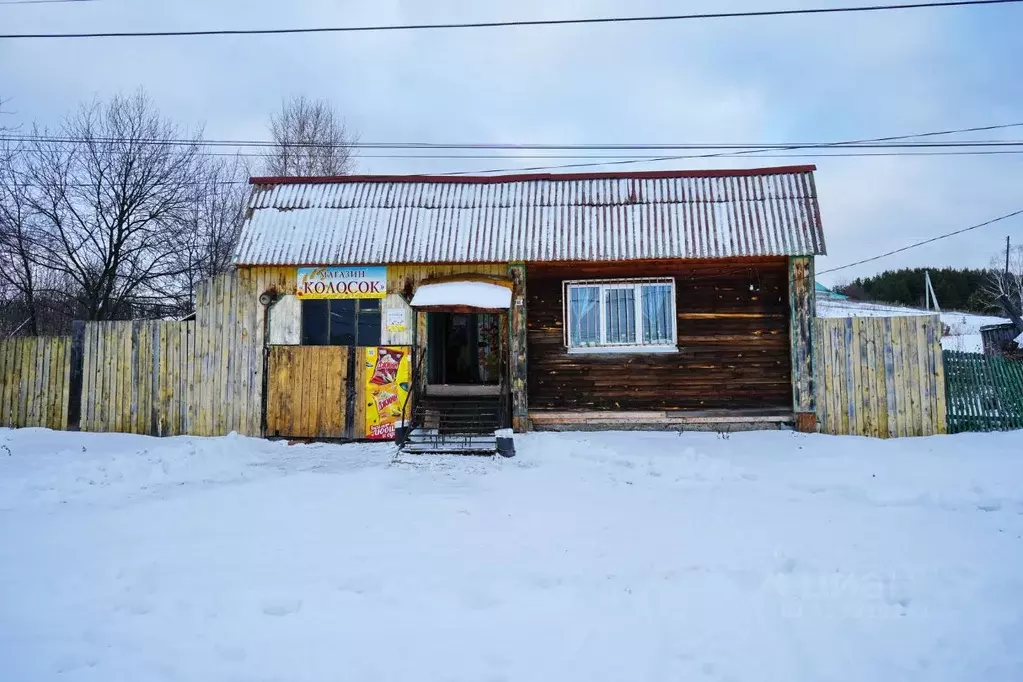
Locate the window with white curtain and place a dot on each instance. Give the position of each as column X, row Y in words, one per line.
column 620, row 315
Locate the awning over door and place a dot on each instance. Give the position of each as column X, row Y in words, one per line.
column 463, row 294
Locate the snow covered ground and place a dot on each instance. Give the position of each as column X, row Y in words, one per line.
column 615, row 556
column 964, row 328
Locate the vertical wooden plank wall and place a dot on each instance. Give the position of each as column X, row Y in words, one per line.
column 34, row 381
column 150, row 376
column 117, row 377
column 225, row 349
column 802, row 311
column 252, row 283
column 306, row 391
column 201, row 378
column 880, row 376
column 169, row 378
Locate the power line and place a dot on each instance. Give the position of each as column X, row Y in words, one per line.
column 755, row 152
column 522, row 23
column 1014, row 147
column 497, row 146
column 39, row 2
column 706, row 156
column 640, row 159
column 924, row 242
column 960, row 148
column 600, row 158
column 877, row 142
column 636, row 159
column 518, row 170
column 607, row 159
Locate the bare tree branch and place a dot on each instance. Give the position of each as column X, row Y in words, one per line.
column 1002, row 283
column 19, row 274
column 113, row 211
column 311, row 139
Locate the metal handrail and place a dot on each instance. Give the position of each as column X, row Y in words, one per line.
column 458, row 426
column 412, row 396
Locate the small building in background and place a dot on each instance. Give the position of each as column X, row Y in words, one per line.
column 678, row 299
column 829, row 294
column 1001, row 339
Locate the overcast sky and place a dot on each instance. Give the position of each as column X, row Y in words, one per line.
column 814, row 78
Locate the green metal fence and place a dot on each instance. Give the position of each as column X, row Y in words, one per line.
column 983, row 392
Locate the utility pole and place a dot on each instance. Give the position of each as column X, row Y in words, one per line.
column 929, row 294
column 927, row 290
column 1006, row 254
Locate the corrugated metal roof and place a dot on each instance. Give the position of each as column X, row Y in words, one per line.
column 598, row 216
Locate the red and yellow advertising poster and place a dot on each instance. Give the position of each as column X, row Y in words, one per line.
column 388, row 373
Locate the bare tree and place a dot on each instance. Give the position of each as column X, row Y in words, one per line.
column 20, row 277
column 1006, row 283
column 18, row 244
column 212, row 227
column 113, row 200
column 311, row 139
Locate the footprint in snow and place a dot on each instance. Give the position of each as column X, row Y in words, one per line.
column 72, row 662
column 281, row 607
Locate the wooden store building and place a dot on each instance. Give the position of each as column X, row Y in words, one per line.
column 450, row 307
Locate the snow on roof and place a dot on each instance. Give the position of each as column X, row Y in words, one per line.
column 1019, row 340
column 539, row 217
column 469, row 294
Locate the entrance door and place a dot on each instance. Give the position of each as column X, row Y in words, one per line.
column 463, row 348
column 306, row 391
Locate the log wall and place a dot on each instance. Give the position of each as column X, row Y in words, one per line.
column 733, row 327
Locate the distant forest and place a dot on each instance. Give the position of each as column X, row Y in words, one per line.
column 956, row 289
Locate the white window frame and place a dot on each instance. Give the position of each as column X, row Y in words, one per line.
column 605, row 285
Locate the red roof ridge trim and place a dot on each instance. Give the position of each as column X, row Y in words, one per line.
column 531, row 177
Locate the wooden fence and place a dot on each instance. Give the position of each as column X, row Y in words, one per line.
column 34, row 381
column 139, row 377
column 201, row 377
column 985, row 392
column 879, row 376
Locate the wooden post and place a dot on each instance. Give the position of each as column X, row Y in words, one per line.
column 156, row 389
column 802, row 311
column 74, row 400
column 517, row 349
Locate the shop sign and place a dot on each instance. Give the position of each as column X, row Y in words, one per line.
column 342, row 282
column 388, row 372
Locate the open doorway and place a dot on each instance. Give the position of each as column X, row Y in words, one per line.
column 463, row 348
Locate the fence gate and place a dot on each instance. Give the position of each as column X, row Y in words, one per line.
column 985, row 392
column 879, row 377
column 307, row 390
